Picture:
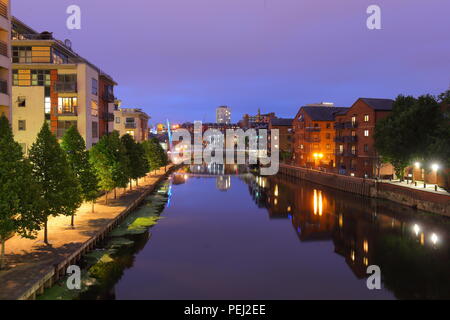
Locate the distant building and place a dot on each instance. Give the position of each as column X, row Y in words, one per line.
column 314, row 135
column 132, row 121
column 286, row 134
column 249, row 121
column 5, row 58
column 223, row 115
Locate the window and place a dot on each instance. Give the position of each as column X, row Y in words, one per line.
column 302, row 146
column 366, row 118
column 366, row 148
column 316, row 146
column 117, row 119
column 353, row 133
column 94, row 108
column 94, row 86
column 26, row 78
column 366, row 133
column 47, row 105
column 328, row 135
column 328, row 125
column 25, row 54
column 67, row 105
column 94, row 130
column 131, row 133
column 40, row 78
column 22, row 125
column 328, row 147
column 354, row 150
column 21, row 102
column 354, row 119
column 341, row 148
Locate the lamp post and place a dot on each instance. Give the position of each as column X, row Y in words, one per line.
column 435, row 168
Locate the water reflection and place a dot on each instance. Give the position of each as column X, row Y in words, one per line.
column 411, row 248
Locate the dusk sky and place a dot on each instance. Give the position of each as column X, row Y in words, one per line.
column 180, row 59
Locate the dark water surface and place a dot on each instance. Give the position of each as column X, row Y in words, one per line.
column 246, row 237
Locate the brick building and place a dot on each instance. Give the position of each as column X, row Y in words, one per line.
column 286, row 134
column 314, row 136
column 355, row 144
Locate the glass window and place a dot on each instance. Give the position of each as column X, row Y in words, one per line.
column 366, row 118
column 67, row 105
column 94, row 129
column 22, row 125
column 94, row 86
column 366, row 133
column 21, row 102
column 117, row 119
column 94, row 108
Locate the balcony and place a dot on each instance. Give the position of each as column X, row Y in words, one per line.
column 3, row 10
column 66, row 87
column 130, row 125
column 312, row 139
column 3, row 49
column 313, row 129
column 109, row 97
column 348, row 139
column 108, row 117
column 73, row 111
column 351, row 125
column 4, row 87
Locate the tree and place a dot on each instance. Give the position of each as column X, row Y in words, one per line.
column 60, row 189
column 78, row 157
column 109, row 160
column 406, row 133
column 155, row 154
column 138, row 165
column 19, row 193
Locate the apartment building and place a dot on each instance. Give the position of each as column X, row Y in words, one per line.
column 132, row 121
column 257, row 120
column 314, row 135
column 355, row 145
column 285, row 141
column 223, row 115
column 52, row 83
column 5, row 58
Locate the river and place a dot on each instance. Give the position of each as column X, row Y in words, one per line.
column 240, row 236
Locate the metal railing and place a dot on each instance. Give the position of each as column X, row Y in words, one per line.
column 108, row 97
column 130, row 125
column 108, row 116
column 4, row 48
column 3, row 9
column 72, row 111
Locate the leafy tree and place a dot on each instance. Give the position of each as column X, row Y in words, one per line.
column 138, row 165
column 60, row 189
column 108, row 158
column 77, row 155
column 19, row 193
column 407, row 132
column 155, row 154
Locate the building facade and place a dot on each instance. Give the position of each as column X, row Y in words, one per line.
column 5, row 58
column 314, row 136
column 132, row 121
column 223, row 115
column 53, row 83
column 286, row 135
column 355, row 144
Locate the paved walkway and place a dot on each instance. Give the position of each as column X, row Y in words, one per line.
column 429, row 187
column 28, row 260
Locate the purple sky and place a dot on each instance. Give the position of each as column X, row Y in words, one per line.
column 180, row 59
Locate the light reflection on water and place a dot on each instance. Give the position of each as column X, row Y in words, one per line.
column 278, row 238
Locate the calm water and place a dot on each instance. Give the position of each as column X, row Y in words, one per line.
column 246, row 237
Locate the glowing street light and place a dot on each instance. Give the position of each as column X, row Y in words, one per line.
column 435, row 167
column 417, row 165
column 416, row 229
column 434, row 238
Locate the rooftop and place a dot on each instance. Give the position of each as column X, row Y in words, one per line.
column 378, row 104
column 281, row 122
column 324, row 113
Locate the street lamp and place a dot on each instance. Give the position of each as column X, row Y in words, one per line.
column 435, row 168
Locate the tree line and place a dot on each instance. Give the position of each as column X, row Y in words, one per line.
column 56, row 178
column 417, row 130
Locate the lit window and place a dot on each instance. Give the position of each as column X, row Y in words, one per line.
column 94, row 108
column 117, row 120
column 366, row 133
column 366, row 118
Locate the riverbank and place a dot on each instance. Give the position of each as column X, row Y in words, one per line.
column 434, row 202
column 34, row 266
